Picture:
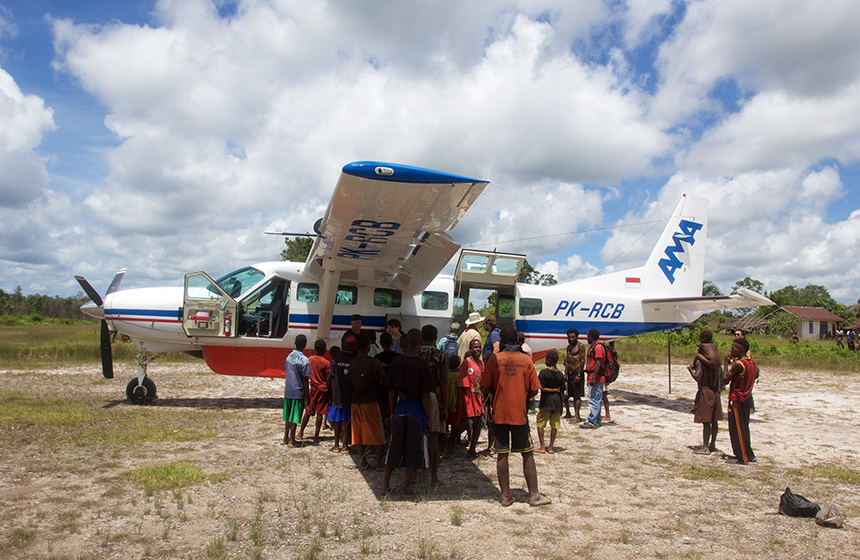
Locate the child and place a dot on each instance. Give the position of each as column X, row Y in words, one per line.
column 469, row 399
column 333, row 353
column 453, row 410
column 551, row 382
column 320, row 395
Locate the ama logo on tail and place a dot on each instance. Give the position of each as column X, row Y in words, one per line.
column 672, row 262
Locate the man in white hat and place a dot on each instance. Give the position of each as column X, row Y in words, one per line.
column 469, row 334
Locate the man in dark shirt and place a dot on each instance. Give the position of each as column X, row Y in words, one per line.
column 438, row 362
column 340, row 411
column 409, row 386
column 365, row 376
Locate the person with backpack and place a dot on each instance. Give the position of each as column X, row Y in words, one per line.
column 595, row 364
column 449, row 343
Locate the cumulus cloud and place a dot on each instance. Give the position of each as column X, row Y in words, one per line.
column 230, row 125
column 25, row 120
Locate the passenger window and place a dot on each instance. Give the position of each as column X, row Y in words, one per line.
column 384, row 297
column 346, row 295
column 434, row 301
column 530, row 306
column 307, row 292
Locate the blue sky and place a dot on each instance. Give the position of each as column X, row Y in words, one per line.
column 167, row 136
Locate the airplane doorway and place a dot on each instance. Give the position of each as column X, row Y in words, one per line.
column 484, row 278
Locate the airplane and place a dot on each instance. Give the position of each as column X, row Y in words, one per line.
column 379, row 252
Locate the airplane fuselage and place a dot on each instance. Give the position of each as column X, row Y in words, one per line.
column 239, row 337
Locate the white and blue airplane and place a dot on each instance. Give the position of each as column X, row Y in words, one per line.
column 379, row 252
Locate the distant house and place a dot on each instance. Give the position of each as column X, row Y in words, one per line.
column 815, row 323
column 746, row 324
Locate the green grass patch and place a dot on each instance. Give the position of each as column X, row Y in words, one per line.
column 21, row 411
column 166, row 477
column 40, row 345
column 767, row 350
column 836, row 472
column 705, row 473
column 84, row 420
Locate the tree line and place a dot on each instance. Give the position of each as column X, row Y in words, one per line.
column 16, row 307
column 782, row 322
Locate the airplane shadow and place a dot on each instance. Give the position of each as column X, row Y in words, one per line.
column 460, row 477
column 630, row 397
column 678, row 405
column 223, row 403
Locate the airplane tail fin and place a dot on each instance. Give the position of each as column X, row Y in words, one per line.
column 676, row 266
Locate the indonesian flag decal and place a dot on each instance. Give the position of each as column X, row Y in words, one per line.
column 634, row 282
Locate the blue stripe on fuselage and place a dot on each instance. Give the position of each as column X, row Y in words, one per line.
column 118, row 313
column 612, row 329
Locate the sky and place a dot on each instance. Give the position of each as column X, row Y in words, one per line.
column 167, row 136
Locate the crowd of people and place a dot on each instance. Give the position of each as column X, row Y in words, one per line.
column 407, row 398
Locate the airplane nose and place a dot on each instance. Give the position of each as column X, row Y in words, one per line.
column 93, row 310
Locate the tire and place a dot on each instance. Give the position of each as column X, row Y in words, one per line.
column 140, row 394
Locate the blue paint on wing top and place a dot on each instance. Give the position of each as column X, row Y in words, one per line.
column 381, row 171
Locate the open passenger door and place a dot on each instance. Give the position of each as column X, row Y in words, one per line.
column 208, row 310
column 485, row 270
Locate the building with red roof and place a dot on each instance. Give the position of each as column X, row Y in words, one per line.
column 815, row 322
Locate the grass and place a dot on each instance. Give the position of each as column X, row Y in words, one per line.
column 705, row 473
column 832, row 471
column 166, row 477
column 456, row 515
column 40, row 345
column 84, row 421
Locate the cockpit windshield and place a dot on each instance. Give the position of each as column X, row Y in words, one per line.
column 240, row 281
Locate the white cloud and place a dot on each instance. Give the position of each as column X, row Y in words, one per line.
column 24, row 120
column 231, row 126
column 775, row 130
column 801, row 48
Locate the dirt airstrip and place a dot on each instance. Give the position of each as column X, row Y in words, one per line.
column 73, row 478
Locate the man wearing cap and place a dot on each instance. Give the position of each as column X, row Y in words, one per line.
column 354, row 329
column 740, row 371
column 452, row 336
column 471, row 333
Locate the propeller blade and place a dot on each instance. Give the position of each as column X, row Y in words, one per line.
column 88, row 289
column 114, row 286
column 107, row 355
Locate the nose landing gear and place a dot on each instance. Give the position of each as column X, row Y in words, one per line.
column 141, row 389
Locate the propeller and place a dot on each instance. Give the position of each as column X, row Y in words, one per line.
column 98, row 312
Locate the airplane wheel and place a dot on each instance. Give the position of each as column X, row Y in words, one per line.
column 138, row 394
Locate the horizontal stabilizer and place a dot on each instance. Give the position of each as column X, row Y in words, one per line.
column 745, row 298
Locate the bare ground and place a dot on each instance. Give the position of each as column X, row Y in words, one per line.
column 629, row 489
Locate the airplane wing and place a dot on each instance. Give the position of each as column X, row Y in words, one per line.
column 745, row 298
column 385, row 226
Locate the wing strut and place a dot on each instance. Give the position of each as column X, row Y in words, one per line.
column 327, row 300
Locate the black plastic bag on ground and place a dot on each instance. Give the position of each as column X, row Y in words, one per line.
column 796, row 505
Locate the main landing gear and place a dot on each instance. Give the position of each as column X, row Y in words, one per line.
column 141, row 389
